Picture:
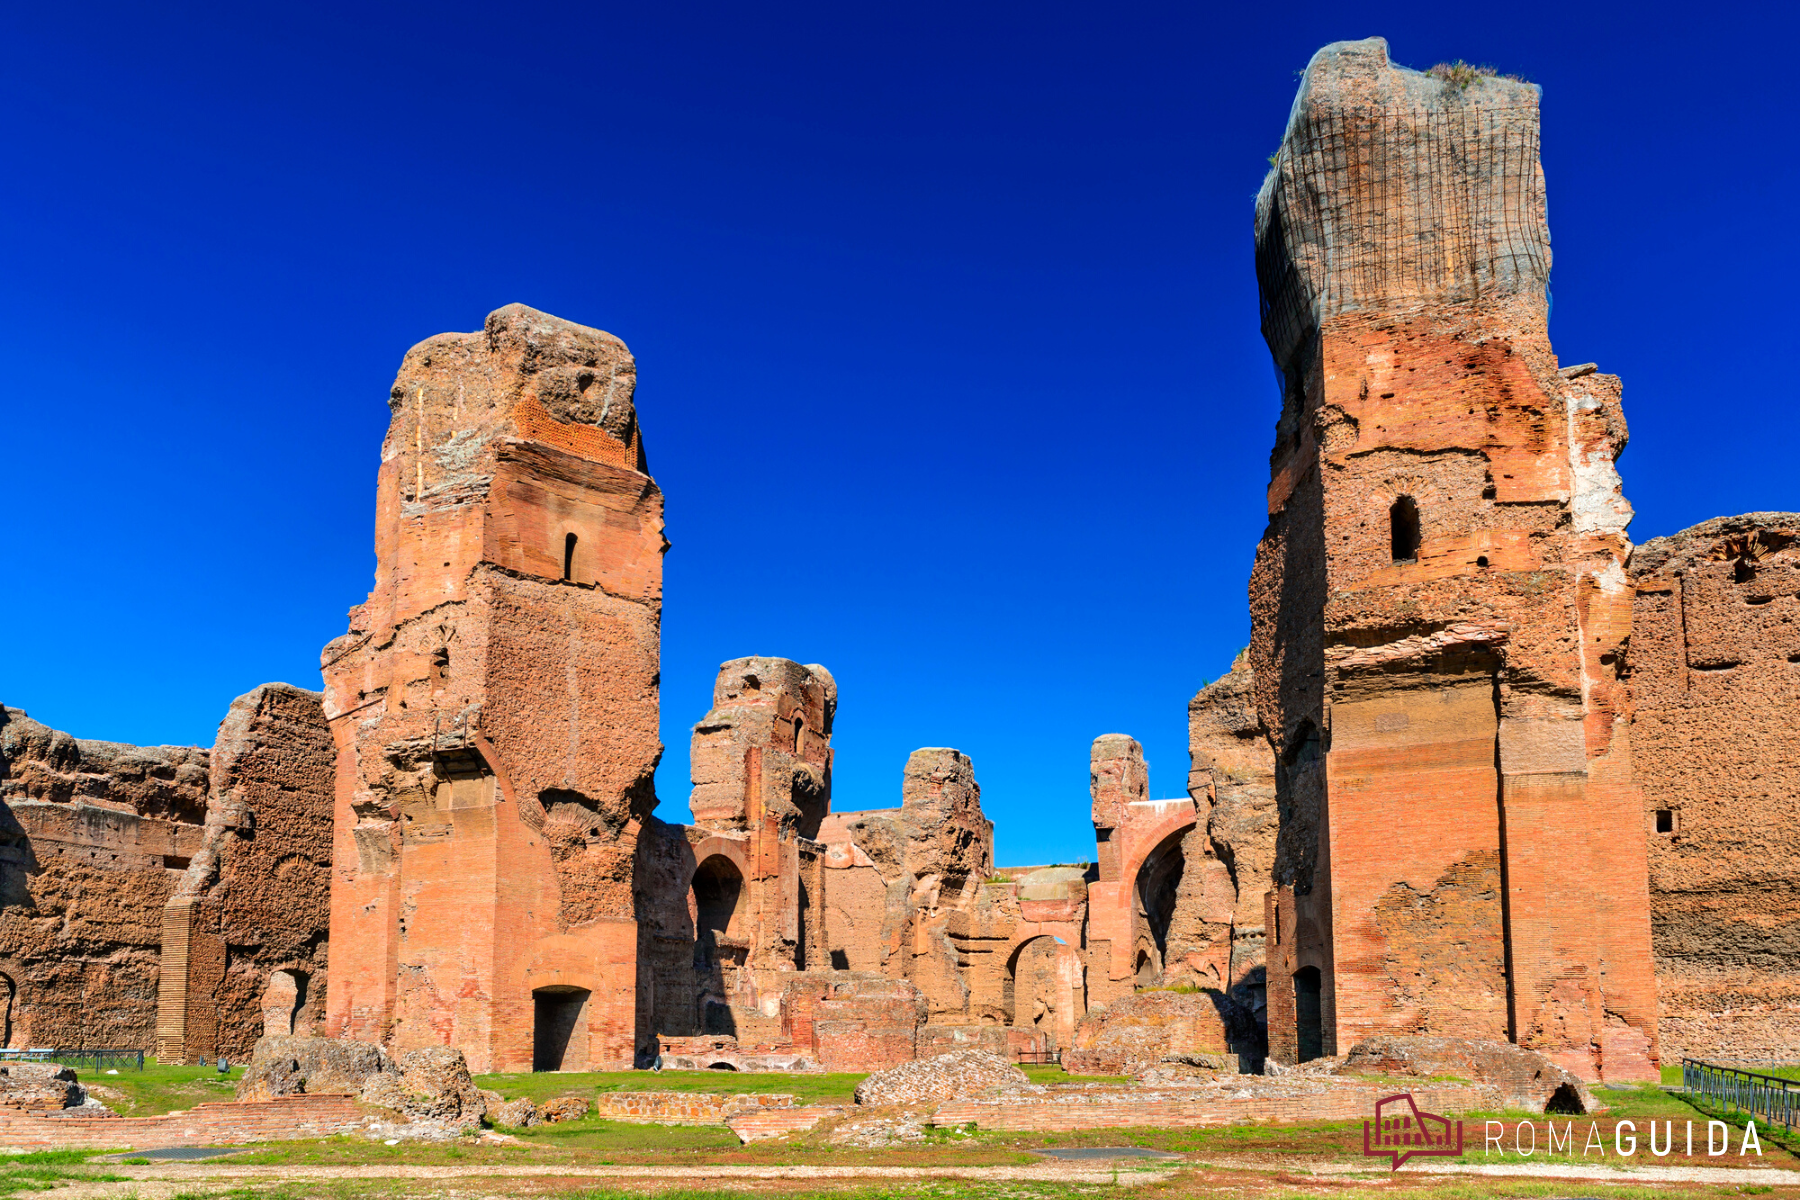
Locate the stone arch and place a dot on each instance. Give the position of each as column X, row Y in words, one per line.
column 720, row 900
column 1154, row 889
column 1144, row 840
column 1043, row 989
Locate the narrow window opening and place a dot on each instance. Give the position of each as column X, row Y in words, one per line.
column 1665, row 820
column 1309, row 1014
column 1403, row 524
column 568, row 556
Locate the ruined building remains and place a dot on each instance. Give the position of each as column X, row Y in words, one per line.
column 494, row 706
column 166, row 898
column 1485, row 770
column 1440, row 605
column 1715, row 683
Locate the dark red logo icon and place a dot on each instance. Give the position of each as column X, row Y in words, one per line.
column 1400, row 1131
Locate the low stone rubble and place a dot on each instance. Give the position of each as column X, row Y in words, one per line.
column 518, row 1114
column 1526, row 1079
column 1138, row 1033
column 564, row 1108
column 292, row 1066
column 432, row 1086
column 934, row 1080
column 47, row 1089
column 429, row 1089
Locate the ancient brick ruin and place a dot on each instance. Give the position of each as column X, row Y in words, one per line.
column 166, row 898
column 1715, row 681
column 1484, row 771
column 1439, row 605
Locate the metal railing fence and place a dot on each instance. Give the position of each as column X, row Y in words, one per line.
column 1735, row 1089
column 99, row 1057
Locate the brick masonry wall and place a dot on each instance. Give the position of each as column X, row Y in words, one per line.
column 224, row 1124
column 1714, row 686
column 685, row 1108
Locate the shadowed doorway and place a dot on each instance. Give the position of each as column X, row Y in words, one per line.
column 559, row 1031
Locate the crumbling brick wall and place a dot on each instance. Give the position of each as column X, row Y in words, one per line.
column 96, row 836
column 494, row 705
column 244, row 935
column 1232, row 779
column 1439, row 604
column 911, row 892
column 1714, row 690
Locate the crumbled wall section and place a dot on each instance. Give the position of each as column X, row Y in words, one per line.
column 94, row 837
column 494, row 706
column 1715, row 684
column 912, row 892
column 1232, row 779
column 1439, row 604
column 244, row 935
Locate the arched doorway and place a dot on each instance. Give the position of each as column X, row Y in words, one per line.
column 1309, row 1014
column 718, row 891
column 9, row 992
column 1157, row 885
column 1043, row 989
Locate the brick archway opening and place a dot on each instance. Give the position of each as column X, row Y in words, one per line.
column 718, row 897
column 1156, row 885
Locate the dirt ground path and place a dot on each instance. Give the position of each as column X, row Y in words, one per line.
column 159, row 1181
column 165, row 1180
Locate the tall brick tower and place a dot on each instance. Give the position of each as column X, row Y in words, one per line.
column 494, row 706
column 1439, row 603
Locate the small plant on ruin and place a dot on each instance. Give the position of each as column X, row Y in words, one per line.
column 1460, row 74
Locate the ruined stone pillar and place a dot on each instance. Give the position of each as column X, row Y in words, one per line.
column 1438, row 602
column 494, row 706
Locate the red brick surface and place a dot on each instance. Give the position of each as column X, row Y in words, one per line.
column 203, row 1125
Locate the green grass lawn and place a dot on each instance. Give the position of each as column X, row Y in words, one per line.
column 1053, row 1073
column 45, row 1169
column 159, row 1088
column 805, row 1088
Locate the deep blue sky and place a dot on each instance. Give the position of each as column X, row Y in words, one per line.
column 944, row 319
